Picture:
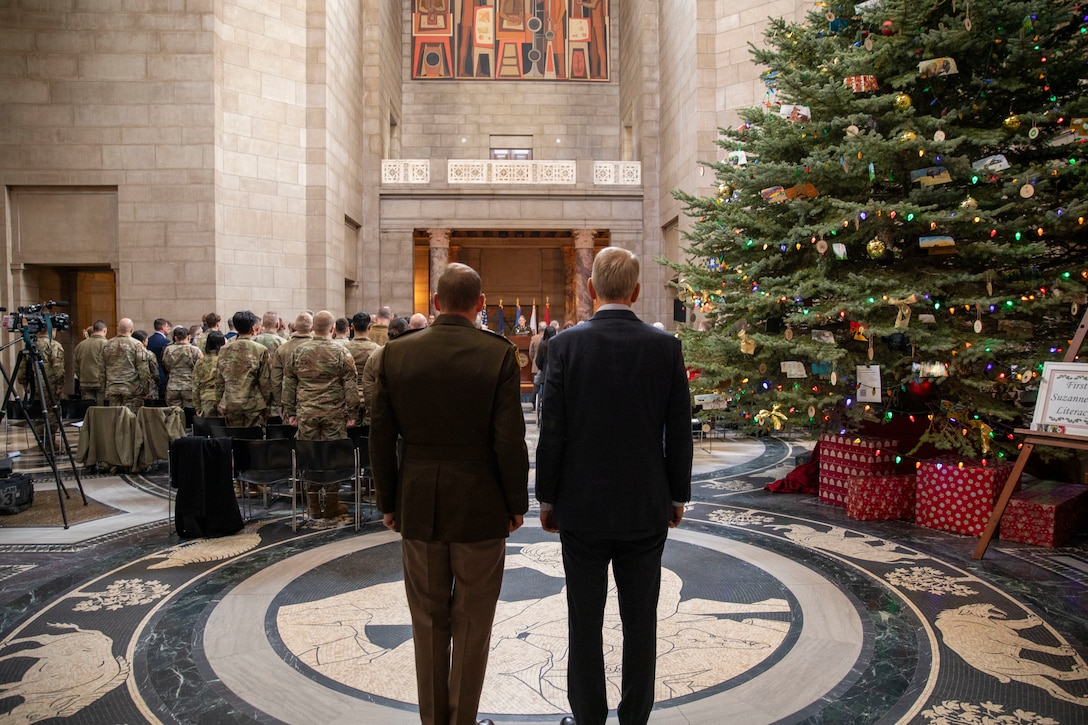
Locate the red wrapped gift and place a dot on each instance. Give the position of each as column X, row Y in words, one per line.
column 876, row 497
column 954, row 498
column 1045, row 514
column 844, row 456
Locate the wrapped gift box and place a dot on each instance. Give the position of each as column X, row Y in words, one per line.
column 1045, row 514
column 880, row 497
column 846, row 456
column 951, row 498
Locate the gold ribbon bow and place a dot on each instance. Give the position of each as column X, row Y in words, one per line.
column 775, row 415
column 984, row 431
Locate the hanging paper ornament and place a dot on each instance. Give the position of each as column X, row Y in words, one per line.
column 969, row 203
column 901, row 101
column 861, row 84
column 1011, row 122
column 876, row 248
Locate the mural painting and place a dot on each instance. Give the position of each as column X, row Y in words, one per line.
column 557, row 40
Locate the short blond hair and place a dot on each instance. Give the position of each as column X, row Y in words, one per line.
column 323, row 322
column 615, row 274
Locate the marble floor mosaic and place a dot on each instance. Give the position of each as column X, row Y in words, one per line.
column 774, row 609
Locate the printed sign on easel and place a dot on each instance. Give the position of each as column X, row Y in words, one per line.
column 1062, row 406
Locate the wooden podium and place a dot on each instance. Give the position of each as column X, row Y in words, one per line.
column 522, row 343
column 1031, row 439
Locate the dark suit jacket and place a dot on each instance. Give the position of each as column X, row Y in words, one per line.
column 615, row 441
column 453, row 393
column 156, row 343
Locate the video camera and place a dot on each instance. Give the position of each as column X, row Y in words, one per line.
column 35, row 318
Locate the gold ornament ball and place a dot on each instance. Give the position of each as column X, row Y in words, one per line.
column 1012, row 122
column 876, row 248
column 901, row 101
column 907, row 136
column 969, row 203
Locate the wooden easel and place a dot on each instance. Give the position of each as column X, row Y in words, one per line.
column 1033, row 438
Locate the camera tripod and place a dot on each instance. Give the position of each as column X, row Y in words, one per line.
column 38, row 391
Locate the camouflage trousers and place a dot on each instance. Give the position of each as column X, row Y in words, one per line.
column 180, row 398
column 321, row 428
column 244, row 418
column 94, row 394
column 132, row 402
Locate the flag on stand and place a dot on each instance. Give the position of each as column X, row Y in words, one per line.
column 502, row 320
column 532, row 320
column 547, row 312
column 517, row 313
column 483, row 317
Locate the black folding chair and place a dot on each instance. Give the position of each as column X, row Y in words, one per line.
column 250, row 433
column 280, row 430
column 267, row 464
column 209, row 427
column 327, row 462
column 359, row 436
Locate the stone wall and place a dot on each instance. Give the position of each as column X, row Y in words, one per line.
column 117, row 98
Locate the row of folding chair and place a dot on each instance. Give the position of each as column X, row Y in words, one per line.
column 270, row 458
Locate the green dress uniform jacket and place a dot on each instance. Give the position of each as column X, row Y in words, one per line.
column 453, row 393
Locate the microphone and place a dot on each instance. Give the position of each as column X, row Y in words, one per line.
column 55, row 303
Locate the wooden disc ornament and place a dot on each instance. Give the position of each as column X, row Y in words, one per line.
column 812, row 411
column 868, row 43
column 1033, row 133
column 853, row 130
column 762, row 368
column 789, row 332
column 939, row 135
column 834, row 377
column 821, row 246
column 1027, row 191
column 978, row 326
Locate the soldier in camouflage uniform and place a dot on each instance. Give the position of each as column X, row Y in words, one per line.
column 205, row 390
column 52, row 355
column 303, row 325
column 125, row 377
column 179, row 359
column 244, row 376
column 152, row 363
column 88, row 363
column 268, row 336
column 211, row 323
column 320, row 392
column 361, row 347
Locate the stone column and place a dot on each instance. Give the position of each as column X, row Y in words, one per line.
column 583, row 266
column 439, row 245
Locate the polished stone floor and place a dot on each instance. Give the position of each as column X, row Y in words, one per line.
column 774, row 609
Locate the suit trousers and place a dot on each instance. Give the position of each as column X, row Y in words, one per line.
column 636, row 567
column 452, row 590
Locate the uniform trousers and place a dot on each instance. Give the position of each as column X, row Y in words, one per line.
column 244, row 418
column 180, row 398
column 132, row 402
column 452, row 590
column 322, row 427
column 636, row 567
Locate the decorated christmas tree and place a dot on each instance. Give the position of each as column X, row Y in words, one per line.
column 900, row 228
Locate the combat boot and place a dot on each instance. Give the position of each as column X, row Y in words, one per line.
column 313, row 505
column 331, row 506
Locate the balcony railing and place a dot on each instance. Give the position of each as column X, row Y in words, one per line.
column 461, row 172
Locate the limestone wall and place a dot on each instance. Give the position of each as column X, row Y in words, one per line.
column 115, row 98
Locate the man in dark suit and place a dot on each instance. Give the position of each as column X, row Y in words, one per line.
column 157, row 343
column 613, row 471
column 452, row 393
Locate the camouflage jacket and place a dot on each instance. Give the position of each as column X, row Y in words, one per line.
column 320, row 379
column 205, row 388
column 360, row 348
column 243, row 376
column 125, row 369
column 52, row 353
column 279, row 360
column 179, row 359
column 89, row 360
column 270, row 340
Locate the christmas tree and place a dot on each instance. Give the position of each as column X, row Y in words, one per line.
column 900, row 228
